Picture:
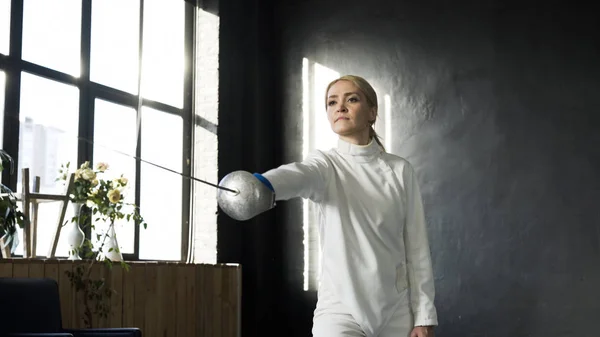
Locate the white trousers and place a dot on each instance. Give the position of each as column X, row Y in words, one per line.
column 332, row 319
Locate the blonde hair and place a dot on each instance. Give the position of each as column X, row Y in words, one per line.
column 369, row 93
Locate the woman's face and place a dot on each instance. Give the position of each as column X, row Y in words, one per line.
column 349, row 113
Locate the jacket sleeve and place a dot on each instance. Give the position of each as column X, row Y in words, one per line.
column 418, row 256
column 306, row 179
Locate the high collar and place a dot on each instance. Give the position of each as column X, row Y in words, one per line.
column 370, row 149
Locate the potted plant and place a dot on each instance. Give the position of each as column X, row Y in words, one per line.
column 104, row 202
column 10, row 215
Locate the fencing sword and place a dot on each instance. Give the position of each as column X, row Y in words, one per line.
column 161, row 167
column 240, row 194
column 246, row 196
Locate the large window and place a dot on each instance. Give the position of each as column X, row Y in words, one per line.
column 103, row 81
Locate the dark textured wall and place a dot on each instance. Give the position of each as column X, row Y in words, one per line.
column 247, row 141
column 497, row 108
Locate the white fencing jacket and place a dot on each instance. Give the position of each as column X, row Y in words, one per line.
column 375, row 250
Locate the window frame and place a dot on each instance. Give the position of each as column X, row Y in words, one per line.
column 13, row 65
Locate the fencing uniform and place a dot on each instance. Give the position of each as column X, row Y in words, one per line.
column 376, row 277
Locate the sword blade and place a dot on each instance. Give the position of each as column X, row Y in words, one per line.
column 3, row 153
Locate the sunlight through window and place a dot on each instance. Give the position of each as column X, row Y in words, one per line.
column 4, row 26
column 114, row 56
column 322, row 137
column 163, row 51
column 49, row 122
column 161, row 191
column 387, row 101
column 305, row 150
column 52, row 34
column 112, row 130
column 317, row 134
column 206, row 146
column 137, row 74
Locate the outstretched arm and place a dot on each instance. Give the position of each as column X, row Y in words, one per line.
column 304, row 179
column 246, row 195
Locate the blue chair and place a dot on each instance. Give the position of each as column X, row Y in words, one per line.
column 30, row 307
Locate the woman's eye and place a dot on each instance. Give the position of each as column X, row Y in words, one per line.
column 353, row 99
column 331, row 103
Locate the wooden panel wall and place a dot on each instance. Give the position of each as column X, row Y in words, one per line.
column 160, row 298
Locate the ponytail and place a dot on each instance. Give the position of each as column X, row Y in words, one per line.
column 374, row 135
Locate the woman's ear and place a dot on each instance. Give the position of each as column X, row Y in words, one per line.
column 372, row 115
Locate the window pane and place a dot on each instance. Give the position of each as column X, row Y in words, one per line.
column 52, row 33
column 163, row 51
column 4, row 26
column 115, row 44
column 48, row 138
column 160, row 192
column 115, row 143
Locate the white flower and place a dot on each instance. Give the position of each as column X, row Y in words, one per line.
column 88, row 174
column 77, row 174
column 95, row 182
column 119, row 183
column 102, row 167
column 89, row 203
column 114, row 196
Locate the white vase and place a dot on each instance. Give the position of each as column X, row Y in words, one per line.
column 111, row 249
column 73, row 233
column 5, row 246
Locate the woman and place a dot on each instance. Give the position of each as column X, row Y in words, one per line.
column 376, row 277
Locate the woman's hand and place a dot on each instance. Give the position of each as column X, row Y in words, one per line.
column 422, row 331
